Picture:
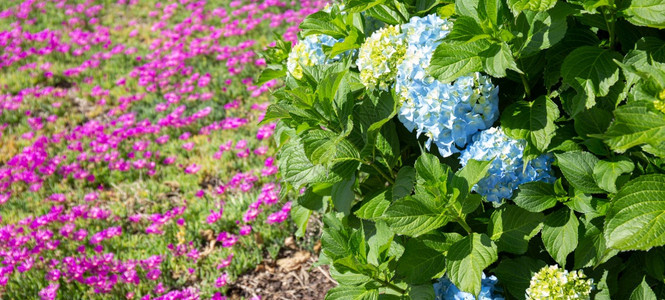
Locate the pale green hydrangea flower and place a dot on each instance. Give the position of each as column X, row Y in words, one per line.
column 552, row 282
column 309, row 52
column 379, row 57
column 660, row 103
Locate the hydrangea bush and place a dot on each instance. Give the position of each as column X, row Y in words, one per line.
column 472, row 144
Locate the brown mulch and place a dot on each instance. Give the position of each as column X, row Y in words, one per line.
column 290, row 276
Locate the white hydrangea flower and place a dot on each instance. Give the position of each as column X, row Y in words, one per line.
column 379, row 57
column 552, row 282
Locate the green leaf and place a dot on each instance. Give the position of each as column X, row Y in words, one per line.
column 269, row 74
column 375, row 206
column 560, row 234
column 498, row 58
column 325, row 147
column 591, row 249
column 322, row 23
column 517, row 6
column 296, row 168
column 425, row 291
column 649, row 13
column 350, row 42
column 577, row 167
column 423, row 259
column 350, row 292
column 300, row 216
column 636, row 217
column 635, row 124
column 643, row 292
column 535, row 196
column 454, row 59
column 515, row 274
column 470, row 174
column 342, row 195
column 541, row 29
column 468, row 258
column 429, row 168
column 532, row 121
column 412, row 217
column 606, row 172
column 512, row 227
column 385, row 14
column 379, row 242
column 403, row 187
column 591, row 71
column 592, row 121
column 465, row 29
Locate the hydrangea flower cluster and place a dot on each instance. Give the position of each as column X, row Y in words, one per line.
column 379, row 56
column 552, row 282
column 447, row 113
column 444, row 289
column 507, row 171
column 309, row 52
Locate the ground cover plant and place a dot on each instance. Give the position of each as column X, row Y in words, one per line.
column 478, row 148
column 131, row 162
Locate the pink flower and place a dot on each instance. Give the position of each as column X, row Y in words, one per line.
column 192, row 169
column 188, row 146
column 245, row 230
column 222, row 280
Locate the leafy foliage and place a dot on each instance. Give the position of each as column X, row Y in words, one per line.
column 583, row 80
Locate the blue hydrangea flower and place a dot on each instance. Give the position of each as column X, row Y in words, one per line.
column 444, row 289
column 309, row 52
column 507, row 171
column 447, row 113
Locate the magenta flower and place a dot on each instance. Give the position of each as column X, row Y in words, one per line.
column 192, row 169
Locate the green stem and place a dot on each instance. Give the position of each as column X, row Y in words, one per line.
column 466, row 226
column 527, row 88
column 386, row 177
column 610, row 28
column 391, row 286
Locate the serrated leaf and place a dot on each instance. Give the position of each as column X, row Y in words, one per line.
column 425, row 291
column 465, row 29
column 512, row 227
column 541, row 29
column 517, row 6
column 468, row 258
column 322, row 23
column 404, row 181
column 649, row 13
column 429, row 168
column 591, row 249
column 342, row 195
column 535, row 196
column 606, row 172
column 532, row 121
column 300, row 216
column 498, row 58
column 515, row 274
column 636, row 217
column 375, row 206
column 577, row 167
column 643, row 292
column 560, row 234
column 325, row 147
column 469, row 175
column 454, row 59
column 412, row 217
column 591, row 71
column 592, row 121
column 350, row 292
column 296, row 168
column 635, row 124
column 420, row 262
